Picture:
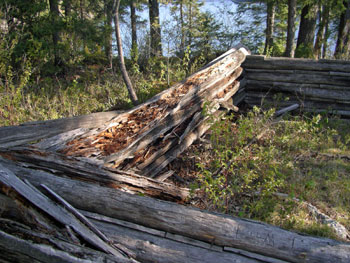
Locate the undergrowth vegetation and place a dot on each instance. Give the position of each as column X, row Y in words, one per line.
column 264, row 168
column 24, row 98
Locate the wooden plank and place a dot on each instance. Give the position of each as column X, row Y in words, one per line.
column 217, row 229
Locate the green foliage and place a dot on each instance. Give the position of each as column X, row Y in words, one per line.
column 253, row 157
column 305, row 51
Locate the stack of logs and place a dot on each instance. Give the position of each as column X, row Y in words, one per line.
column 318, row 86
column 147, row 138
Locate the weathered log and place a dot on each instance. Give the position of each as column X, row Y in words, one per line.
column 300, row 78
column 290, row 98
column 330, row 74
column 261, row 100
column 227, row 231
column 39, row 246
column 79, row 170
column 33, row 131
column 8, row 178
column 337, row 93
column 260, row 62
column 152, row 245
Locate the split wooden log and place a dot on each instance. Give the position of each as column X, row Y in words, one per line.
column 22, row 242
column 227, row 231
column 8, row 178
column 78, row 170
column 33, row 131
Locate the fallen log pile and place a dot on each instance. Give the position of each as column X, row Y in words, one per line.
column 318, row 86
column 80, row 190
column 148, row 137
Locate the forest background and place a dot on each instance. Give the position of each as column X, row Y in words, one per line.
column 58, row 58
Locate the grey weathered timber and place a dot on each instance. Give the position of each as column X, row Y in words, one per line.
column 8, row 178
column 79, row 170
column 261, row 62
column 169, row 248
column 318, row 86
column 33, row 131
column 307, row 91
column 227, row 231
column 309, row 104
column 300, row 78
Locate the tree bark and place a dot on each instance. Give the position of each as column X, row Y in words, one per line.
column 325, row 40
column 54, row 12
column 133, row 18
column 321, row 31
column 292, row 8
column 67, row 7
column 108, row 31
column 270, row 23
column 182, row 44
column 307, row 29
column 343, row 43
column 123, row 70
column 155, row 30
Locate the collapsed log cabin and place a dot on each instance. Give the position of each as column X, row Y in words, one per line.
column 316, row 85
column 91, row 188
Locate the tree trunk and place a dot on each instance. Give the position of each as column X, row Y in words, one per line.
column 321, row 31
column 343, row 43
column 325, row 40
column 156, row 40
column 182, row 44
column 67, row 7
column 123, row 70
column 292, row 8
column 108, row 32
column 270, row 23
column 307, row 29
column 134, row 46
column 54, row 12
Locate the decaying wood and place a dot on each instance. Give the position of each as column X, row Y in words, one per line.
column 128, row 140
column 21, row 243
column 227, row 231
column 33, row 131
column 262, row 62
column 8, row 178
column 109, row 177
column 319, row 86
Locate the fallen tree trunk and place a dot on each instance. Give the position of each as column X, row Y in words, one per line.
column 33, row 131
column 78, row 170
column 227, row 231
